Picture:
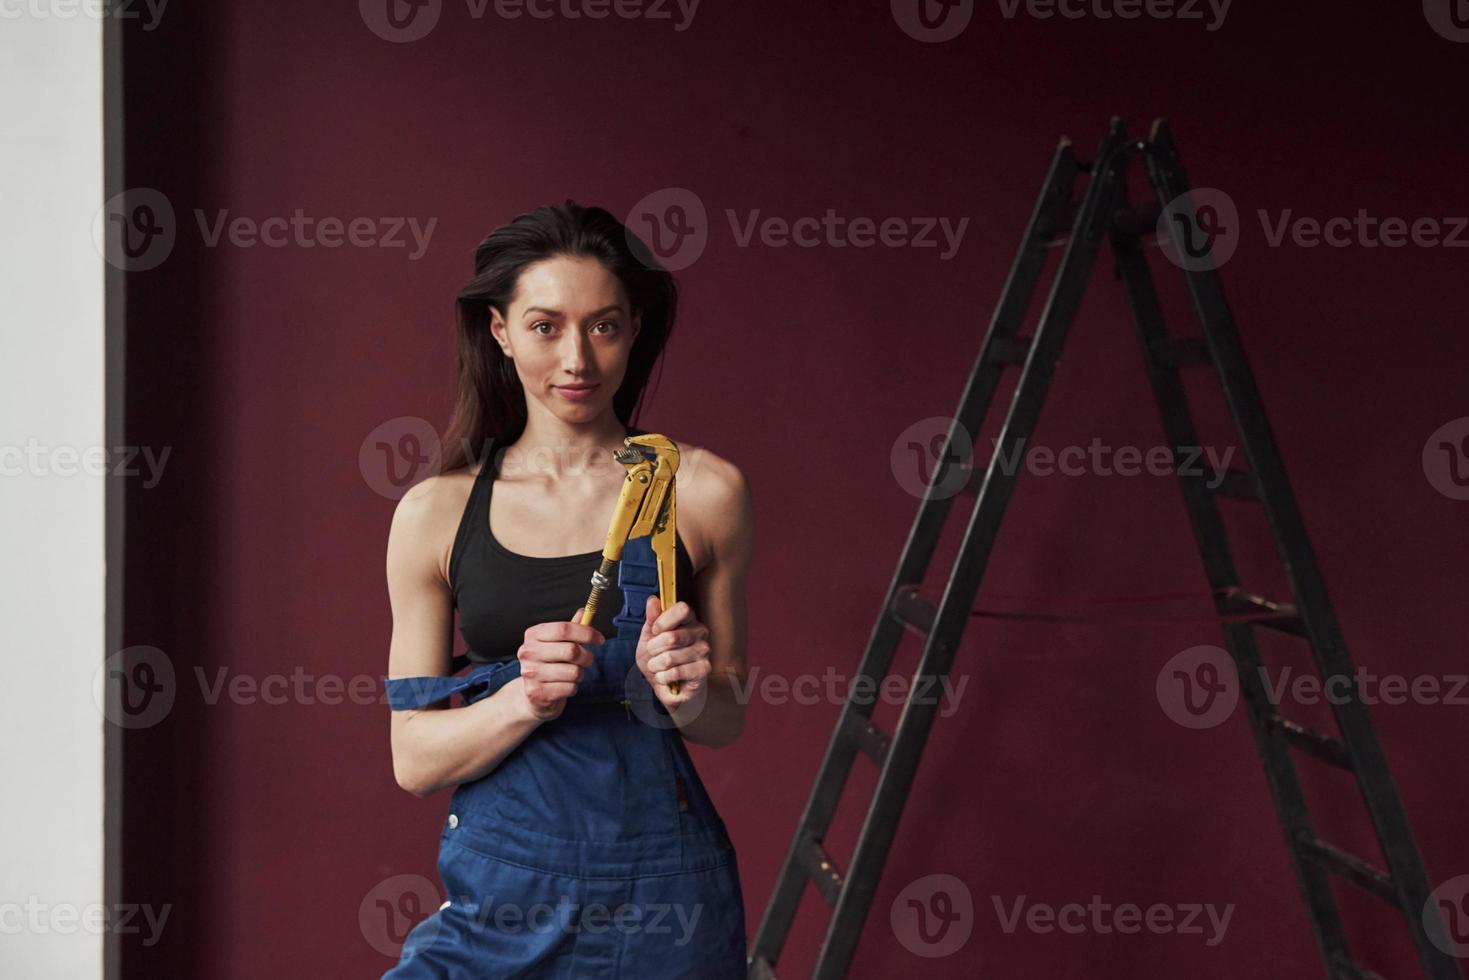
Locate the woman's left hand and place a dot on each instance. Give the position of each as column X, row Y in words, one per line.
column 674, row 646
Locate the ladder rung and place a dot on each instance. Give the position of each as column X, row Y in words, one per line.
column 822, row 870
column 1351, row 868
column 1324, row 747
column 1183, row 351
column 866, row 736
column 1236, row 485
column 912, row 610
column 1287, row 620
column 1347, row 969
column 1008, row 350
column 760, row 969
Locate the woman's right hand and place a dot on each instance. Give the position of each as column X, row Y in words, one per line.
column 552, row 659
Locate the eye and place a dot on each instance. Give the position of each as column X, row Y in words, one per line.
column 611, row 325
column 536, row 327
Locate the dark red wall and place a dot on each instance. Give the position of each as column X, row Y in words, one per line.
column 261, row 551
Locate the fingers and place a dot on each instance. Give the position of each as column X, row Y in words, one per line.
column 667, row 619
column 690, row 673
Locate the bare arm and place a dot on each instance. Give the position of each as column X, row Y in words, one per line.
column 710, row 708
column 438, row 746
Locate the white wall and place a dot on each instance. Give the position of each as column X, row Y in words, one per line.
column 52, row 360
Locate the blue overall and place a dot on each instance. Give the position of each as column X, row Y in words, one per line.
column 592, row 850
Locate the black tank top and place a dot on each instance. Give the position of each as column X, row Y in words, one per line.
column 499, row 594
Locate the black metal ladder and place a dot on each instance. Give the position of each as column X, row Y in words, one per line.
column 1104, row 212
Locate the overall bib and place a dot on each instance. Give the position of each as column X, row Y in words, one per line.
column 592, row 850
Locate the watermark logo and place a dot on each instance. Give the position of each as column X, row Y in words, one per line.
column 37, row 459
column 668, row 227
column 135, row 687
column 148, row 11
column 1446, row 459
column 933, row 916
column 398, row 454
column 1446, row 916
column 1199, row 229
column 1104, row 918
column 395, row 907
column 400, row 21
column 918, row 453
column 1212, row 12
column 1198, row 687
column 1448, row 18
column 135, row 230
column 933, row 21
column 124, row 918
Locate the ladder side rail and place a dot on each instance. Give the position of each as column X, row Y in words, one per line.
column 916, row 719
column 1383, row 803
column 1209, row 533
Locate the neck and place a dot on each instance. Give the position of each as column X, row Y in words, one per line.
column 551, row 448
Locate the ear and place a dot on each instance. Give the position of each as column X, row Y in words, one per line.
column 637, row 324
column 500, row 330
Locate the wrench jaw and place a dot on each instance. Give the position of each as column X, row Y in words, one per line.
column 646, row 506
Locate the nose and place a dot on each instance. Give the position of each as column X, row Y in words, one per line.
column 576, row 352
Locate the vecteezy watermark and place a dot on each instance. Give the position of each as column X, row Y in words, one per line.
column 1446, row 459
column 1209, row 12
column 671, row 227
column 137, row 687
column 676, row 920
column 136, row 230
column 1103, row 918
column 1363, row 230
column 933, row 916
column 919, row 450
column 149, row 11
column 833, row 230
column 932, row 21
column 61, row 918
column 394, row 907
column 402, row 21
column 834, row 687
column 37, row 459
column 397, row 454
column 1448, row 18
column 1201, row 229
column 1446, row 916
column 1200, row 687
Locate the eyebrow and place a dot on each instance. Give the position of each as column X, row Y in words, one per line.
column 613, row 308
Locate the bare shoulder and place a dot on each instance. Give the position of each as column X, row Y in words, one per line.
column 426, row 521
column 715, row 496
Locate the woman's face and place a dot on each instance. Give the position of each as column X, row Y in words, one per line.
column 568, row 331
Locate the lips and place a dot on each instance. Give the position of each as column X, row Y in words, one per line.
column 576, row 393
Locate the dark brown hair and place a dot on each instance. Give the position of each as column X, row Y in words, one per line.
column 490, row 403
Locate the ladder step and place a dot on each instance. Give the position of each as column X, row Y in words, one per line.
column 821, row 869
column 913, row 611
column 1009, row 350
column 760, row 969
column 1324, row 747
column 866, row 736
column 1286, row 620
column 1350, row 867
column 1347, row 969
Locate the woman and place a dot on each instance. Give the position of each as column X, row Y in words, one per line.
column 579, row 841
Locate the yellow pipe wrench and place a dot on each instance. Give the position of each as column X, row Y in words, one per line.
column 646, row 506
